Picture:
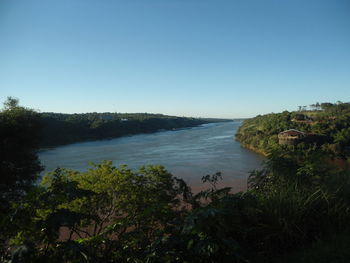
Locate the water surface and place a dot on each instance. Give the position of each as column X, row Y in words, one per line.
column 188, row 153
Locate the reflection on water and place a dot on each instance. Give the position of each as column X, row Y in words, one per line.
column 187, row 153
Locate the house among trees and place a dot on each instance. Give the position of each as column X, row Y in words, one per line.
column 291, row 137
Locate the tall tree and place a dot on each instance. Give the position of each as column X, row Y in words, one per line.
column 318, row 105
column 19, row 140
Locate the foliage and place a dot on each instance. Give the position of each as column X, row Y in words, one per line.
column 61, row 129
column 19, row 133
column 114, row 214
column 103, row 214
column 334, row 249
column 302, row 197
column 328, row 127
column 19, row 164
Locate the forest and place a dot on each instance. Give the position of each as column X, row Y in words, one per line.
column 296, row 208
column 59, row 129
column 327, row 123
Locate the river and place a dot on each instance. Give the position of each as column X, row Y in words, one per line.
column 187, row 153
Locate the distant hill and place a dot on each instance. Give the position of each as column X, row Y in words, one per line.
column 326, row 126
column 59, row 128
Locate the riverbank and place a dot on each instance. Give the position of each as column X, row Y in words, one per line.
column 189, row 154
column 62, row 129
column 254, row 149
column 47, row 148
column 328, row 128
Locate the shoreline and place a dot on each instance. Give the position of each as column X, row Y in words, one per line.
column 252, row 148
column 50, row 147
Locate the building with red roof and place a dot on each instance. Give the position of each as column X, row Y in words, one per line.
column 291, row 137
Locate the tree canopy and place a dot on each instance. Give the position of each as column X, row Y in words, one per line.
column 328, row 128
column 61, row 129
column 19, row 141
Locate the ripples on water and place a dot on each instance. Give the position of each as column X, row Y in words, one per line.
column 187, row 153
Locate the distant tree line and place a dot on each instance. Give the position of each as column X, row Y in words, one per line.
column 319, row 106
column 59, row 129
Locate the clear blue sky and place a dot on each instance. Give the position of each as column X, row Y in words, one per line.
column 209, row 58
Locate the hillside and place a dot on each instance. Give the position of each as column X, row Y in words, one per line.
column 326, row 126
column 59, row 129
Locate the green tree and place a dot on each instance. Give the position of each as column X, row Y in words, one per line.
column 19, row 163
column 104, row 215
column 19, row 139
column 11, row 103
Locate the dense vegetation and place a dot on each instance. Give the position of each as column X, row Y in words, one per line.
column 19, row 138
column 328, row 123
column 61, row 128
column 296, row 205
